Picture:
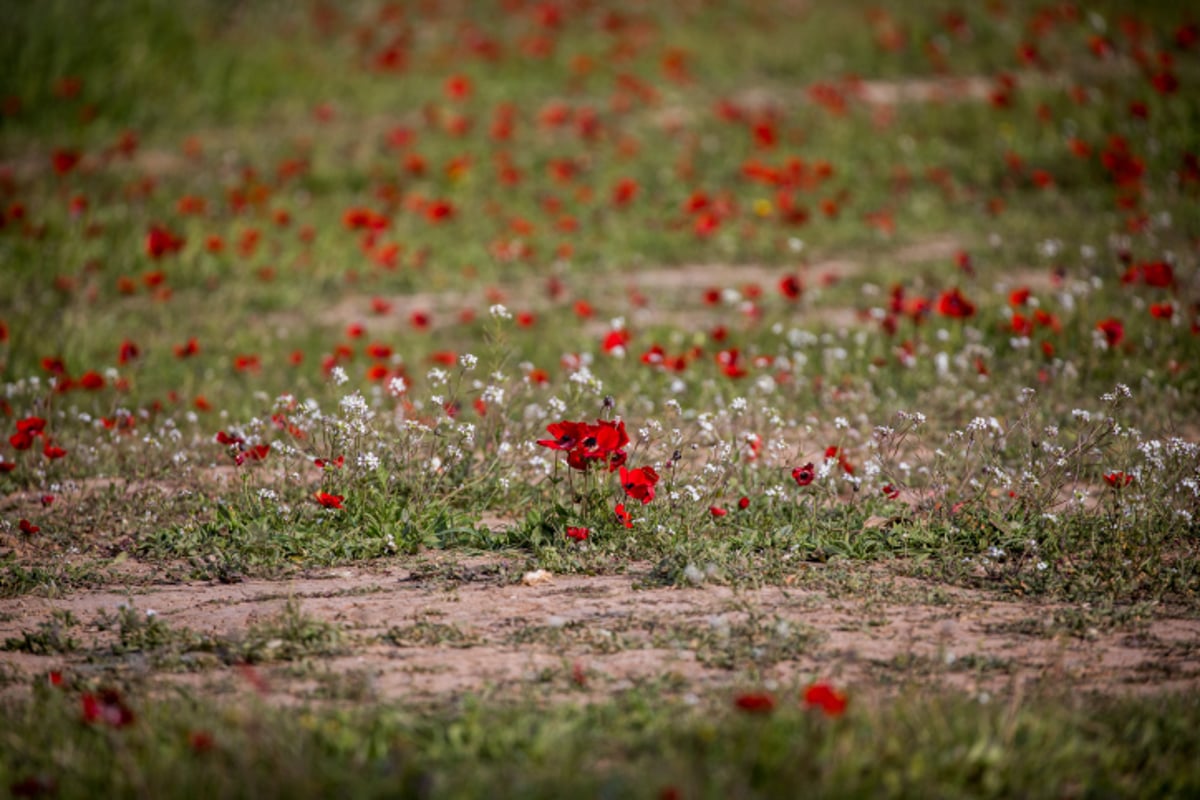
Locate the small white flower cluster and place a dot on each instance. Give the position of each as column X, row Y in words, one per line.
column 467, row 431
column 1121, row 392
column 584, row 377
column 980, row 424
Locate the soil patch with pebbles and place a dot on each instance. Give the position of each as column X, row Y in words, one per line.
column 442, row 627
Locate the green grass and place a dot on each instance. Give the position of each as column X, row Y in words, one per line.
column 639, row 744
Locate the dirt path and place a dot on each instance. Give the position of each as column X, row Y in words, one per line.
column 673, row 294
column 437, row 628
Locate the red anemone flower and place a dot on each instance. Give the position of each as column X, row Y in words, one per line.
column 128, row 352
column 755, row 702
column 615, row 340
column 835, row 452
column 828, row 699
column 188, row 349
column 567, row 435
column 1118, row 480
column 327, row 500
column 228, row 439
column 639, row 483
column 106, row 707
column 624, row 192
column 603, row 439
column 64, row 160
column 161, row 242
column 255, row 453
column 804, row 475
column 439, row 210
column 1162, row 310
column 458, row 87
column 953, row 304
column 623, row 515
column 1112, row 329
column 791, row 288
column 31, row 425
column 92, row 380
column 578, row 534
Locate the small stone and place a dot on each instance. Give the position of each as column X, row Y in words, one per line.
column 537, row 577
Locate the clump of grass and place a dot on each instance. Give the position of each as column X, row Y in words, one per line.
column 290, row 635
column 425, row 633
column 50, row 637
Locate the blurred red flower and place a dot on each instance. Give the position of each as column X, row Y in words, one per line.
column 161, row 242
column 755, row 702
column 330, row 500
column 828, row 699
column 953, row 304
column 1112, row 329
column 1118, row 480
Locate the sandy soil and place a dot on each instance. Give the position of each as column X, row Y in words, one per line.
column 442, row 626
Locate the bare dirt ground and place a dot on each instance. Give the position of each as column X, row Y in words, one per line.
column 439, row 627
column 672, row 293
